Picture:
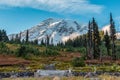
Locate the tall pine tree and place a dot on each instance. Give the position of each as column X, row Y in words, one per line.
column 20, row 34
column 96, row 40
column 47, row 40
column 3, row 36
column 90, row 55
column 17, row 38
column 113, row 37
column 27, row 36
column 107, row 43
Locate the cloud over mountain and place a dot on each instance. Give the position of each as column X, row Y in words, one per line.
column 58, row 6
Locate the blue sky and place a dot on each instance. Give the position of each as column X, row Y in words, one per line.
column 18, row 15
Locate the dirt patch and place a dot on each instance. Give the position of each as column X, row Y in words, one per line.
column 63, row 57
column 6, row 60
column 68, row 56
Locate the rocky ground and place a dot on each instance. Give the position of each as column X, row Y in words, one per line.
column 77, row 74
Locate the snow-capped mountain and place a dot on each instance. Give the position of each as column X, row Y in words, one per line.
column 107, row 28
column 56, row 29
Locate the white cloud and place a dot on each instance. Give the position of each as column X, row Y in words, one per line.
column 59, row 6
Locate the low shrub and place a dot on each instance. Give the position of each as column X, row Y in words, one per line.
column 3, row 48
column 49, row 52
column 70, row 49
column 27, row 51
column 78, row 62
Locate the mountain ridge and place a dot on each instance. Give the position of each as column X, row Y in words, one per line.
column 60, row 30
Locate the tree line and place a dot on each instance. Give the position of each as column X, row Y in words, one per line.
column 94, row 39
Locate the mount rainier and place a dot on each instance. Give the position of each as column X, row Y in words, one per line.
column 58, row 30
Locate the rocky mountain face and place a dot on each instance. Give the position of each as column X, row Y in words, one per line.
column 57, row 30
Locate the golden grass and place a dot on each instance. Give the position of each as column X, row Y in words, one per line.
column 108, row 77
column 102, row 77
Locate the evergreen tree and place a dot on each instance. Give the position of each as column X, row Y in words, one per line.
column 76, row 42
column 42, row 42
column 3, row 36
column 85, row 44
column 113, row 37
column 96, row 40
column 0, row 35
column 16, row 38
column 107, row 42
column 101, row 35
column 27, row 36
column 89, row 43
column 52, row 41
column 69, row 42
column 12, row 39
column 35, row 42
column 23, row 41
column 47, row 40
column 20, row 37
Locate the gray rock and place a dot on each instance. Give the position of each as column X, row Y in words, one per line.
column 50, row 67
column 90, row 75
